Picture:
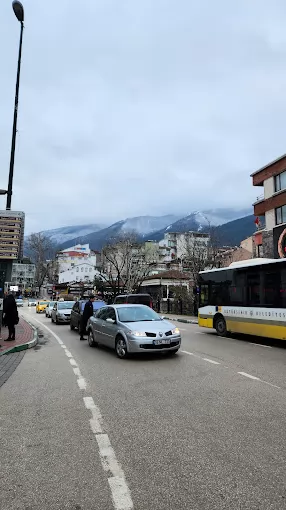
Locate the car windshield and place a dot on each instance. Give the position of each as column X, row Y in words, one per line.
column 137, row 314
column 65, row 305
column 43, row 303
column 51, row 304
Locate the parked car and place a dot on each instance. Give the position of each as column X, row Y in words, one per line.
column 134, row 299
column 32, row 302
column 19, row 302
column 132, row 329
column 61, row 312
column 77, row 311
column 49, row 308
column 41, row 306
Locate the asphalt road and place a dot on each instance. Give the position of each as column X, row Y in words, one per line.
column 203, row 430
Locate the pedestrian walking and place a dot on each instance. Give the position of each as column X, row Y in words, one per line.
column 11, row 316
column 87, row 313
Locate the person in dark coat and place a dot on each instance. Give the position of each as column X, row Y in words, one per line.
column 87, row 313
column 11, row 317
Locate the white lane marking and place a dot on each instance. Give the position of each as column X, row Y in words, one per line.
column 76, row 372
column 68, row 353
column 107, row 455
column 63, row 346
column 50, row 331
column 270, row 384
column 119, row 489
column 96, row 420
column 211, row 361
column 261, row 345
column 249, row 376
column 189, row 353
column 120, row 494
column 88, row 402
column 81, row 383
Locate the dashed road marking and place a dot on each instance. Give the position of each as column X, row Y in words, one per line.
column 189, row 353
column 118, row 486
column 249, row 376
column 81, row 383
column 260, row 345
column 211, row 361
column 76, row 372
column 68, row 353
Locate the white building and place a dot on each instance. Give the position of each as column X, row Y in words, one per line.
column 81, row 272
column 69, row 259
column 176, row 245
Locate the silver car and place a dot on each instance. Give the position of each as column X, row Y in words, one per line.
column 49, row 308
column 132, row 329
column 61, row 312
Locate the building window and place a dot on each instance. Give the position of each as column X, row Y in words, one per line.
column 280, row 181
column 280, row 215
column 77, row 269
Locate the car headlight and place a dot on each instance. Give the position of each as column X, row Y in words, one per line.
column 175, row 331
column 138, row 333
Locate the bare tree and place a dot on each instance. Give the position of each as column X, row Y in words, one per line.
column 201, row 252
column 125, row 264
column 41, row 249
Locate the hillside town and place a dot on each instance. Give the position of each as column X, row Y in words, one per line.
column 142, row 255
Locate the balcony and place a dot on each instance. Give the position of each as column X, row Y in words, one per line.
column 259, row 199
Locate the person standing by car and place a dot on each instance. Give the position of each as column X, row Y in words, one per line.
column 11, row 316
column 87, row 313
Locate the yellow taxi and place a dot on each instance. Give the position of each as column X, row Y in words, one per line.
column 41, row 306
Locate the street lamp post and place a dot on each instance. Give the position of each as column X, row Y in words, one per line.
column 19, row 13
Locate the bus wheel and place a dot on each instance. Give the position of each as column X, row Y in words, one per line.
column 220, row 326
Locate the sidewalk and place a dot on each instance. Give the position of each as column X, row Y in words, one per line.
column 26, row 337
column 187, row 319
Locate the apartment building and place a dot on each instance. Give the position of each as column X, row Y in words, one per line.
column 11, row 234
column 177, row 245
column 270, row 241
column 23, row 275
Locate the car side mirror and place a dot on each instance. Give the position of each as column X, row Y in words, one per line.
column 110, row 321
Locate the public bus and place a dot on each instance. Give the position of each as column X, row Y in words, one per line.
column 246, row 297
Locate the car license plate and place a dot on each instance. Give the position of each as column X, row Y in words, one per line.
column 162, row 341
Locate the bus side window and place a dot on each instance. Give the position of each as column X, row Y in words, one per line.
column 204, row 295
column 272, row 285
column 253, row 288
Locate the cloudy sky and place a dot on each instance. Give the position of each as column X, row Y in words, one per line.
column 138, row 107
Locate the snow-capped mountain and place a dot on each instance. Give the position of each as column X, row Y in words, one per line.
column 145, row 224
column 63, row 234
column 155, row 227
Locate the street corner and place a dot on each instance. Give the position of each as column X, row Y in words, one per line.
column 26, row 338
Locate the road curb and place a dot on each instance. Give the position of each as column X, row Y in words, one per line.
column 185, row 321
column 27, row 345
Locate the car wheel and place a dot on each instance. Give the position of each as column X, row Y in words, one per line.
column 121, row 348
column 71, row 326
column 90, row 339
column 220, row 326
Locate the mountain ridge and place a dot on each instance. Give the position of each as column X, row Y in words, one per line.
column 229, row 233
